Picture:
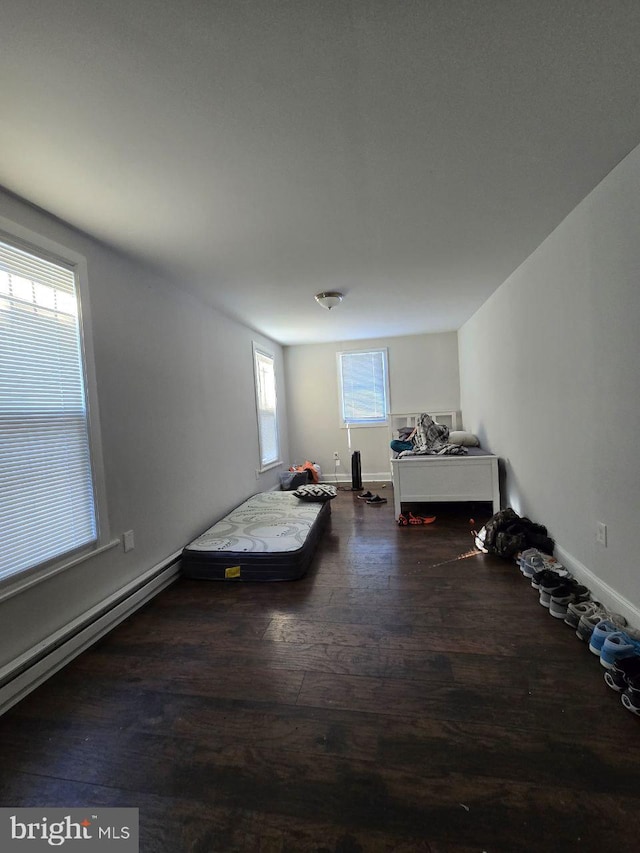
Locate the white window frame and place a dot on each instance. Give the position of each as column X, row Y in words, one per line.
column 29, row 241
column 374, row 422
column 260, row 351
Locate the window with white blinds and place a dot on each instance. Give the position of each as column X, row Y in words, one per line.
column 267, row 406
column 47, row 498
column 363, row 384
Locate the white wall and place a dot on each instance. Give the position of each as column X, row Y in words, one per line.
column 423, row 375
column 549, row 379
column 178, row 422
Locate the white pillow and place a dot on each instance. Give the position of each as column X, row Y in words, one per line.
column 466, row 439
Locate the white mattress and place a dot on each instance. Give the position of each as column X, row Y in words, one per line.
column 271, row 522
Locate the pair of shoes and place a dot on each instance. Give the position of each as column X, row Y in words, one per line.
column 592, row 614
column 601, row 630
column 618, row 646
column 631, row 696
column 558, row 595
column 548, row 584
column 539, row 576
column 532, row 560
column 376, row 499
column 421, row 519
column 576, row 610
column 624, row 678
column 365, row 496
column 617, row 676
column 521, row 556
column 403, row 521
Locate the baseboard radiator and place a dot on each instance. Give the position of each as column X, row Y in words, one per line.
column 32, row 668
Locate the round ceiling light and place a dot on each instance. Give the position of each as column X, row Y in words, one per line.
column 329, row 299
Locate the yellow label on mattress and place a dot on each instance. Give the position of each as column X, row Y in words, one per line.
column 232, row 572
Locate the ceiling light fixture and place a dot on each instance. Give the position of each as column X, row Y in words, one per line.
column 329, row 299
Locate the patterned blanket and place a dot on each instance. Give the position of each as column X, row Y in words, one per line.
column 431, row 438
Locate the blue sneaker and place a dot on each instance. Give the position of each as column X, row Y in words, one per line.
column 618, row 646
column 601, row 631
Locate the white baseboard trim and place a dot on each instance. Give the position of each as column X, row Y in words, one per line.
column 40, row 662
column 600, row 590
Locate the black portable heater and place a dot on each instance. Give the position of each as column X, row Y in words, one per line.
column 356, row 471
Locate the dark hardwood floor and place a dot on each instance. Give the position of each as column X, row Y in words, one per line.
column 406, row 695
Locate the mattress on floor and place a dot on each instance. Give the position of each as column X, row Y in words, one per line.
column 270, row 537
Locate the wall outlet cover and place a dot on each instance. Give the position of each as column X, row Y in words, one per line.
column 128, row 541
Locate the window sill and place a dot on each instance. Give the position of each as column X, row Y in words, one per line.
column 270, row 466
column 382, row 424
column 15, row 584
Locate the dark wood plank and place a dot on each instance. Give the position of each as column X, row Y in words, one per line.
column 305, row 657
column 527, row 709
column 438, row 639
column 192, row 677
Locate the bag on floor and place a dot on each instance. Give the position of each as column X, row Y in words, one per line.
column 291, row 480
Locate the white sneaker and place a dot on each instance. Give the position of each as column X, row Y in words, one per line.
column 589, row 621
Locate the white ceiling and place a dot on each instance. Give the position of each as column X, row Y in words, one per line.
column 411, row 154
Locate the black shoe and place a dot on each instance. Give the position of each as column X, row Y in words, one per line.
column 377, row 500
column 617, row 677
column 631, row 696
column 365, row 496
column 545, row 576
column 561, row 595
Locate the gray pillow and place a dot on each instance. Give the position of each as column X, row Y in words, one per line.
column 466, row 439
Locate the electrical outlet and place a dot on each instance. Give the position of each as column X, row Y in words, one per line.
column 601, row 533
column 128, row 542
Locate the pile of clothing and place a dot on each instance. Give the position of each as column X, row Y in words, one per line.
column 506, row 533
column 427, row 438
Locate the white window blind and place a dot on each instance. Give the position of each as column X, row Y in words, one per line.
column 46, row 484
column 363, row 387
column 267, row 405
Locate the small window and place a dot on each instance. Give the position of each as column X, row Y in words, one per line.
column 49, row 505
column 267, row 407
column 363, row 383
